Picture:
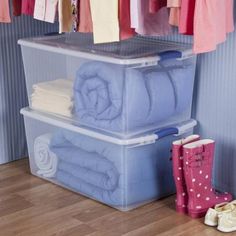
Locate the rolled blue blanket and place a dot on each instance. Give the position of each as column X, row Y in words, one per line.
column 122, row 99
column 110, row 173
column 88, row 167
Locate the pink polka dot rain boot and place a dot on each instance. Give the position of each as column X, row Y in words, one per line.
column 177, row 161
column 198, row 164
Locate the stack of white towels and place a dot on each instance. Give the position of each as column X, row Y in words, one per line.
column 54, row 96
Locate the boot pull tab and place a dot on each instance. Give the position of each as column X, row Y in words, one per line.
column 198, row 159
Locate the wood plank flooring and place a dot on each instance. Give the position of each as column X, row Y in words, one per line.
column 30, row 206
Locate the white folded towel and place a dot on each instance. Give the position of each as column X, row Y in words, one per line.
column 52, row 108
column 59, row 88
column 53, row 96
column 44, row 158
column 50, row 97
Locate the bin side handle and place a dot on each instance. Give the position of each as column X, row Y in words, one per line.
column 171, row 54
column 166, row 132
column 176, row 130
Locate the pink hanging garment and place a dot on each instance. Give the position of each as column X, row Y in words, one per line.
column 45, row 10
column 212, row 21
column 174, row 6
column 156, row 5
column 152, row 24
column 85, row 22
column 27, row 7
column 124, row 20
column 186, row 17
column 174, row 16
column 16, row 5
column 229, row 16
column 173, row 3
column 5, row 12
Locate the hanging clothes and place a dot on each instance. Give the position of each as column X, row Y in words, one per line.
column 5, row 12
column 134, row 9
column 85, row 18
column 64, row 15
column 213, row 19
column 27, row 7
column 124, row 20
column 45, row 10
column 16, row 5
column 228, row 20
column 152, row 24
column 174, row 16
column 173, row 3
column 156, row 5
column 75, row 14
column 105, row 21
column 229, row 16
column 187, row 13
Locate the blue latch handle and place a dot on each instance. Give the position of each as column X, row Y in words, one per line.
column 52, row 34
column 171, row 54
column 166, row 132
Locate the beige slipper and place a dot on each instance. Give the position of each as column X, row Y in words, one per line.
column 227, row 220
column 212, row 215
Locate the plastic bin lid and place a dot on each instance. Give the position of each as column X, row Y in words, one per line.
column 136, row 50
column 144, row 139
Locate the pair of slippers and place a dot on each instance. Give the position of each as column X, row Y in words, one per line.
column 223, row 216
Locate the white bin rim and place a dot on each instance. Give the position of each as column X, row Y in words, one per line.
column 151, row 137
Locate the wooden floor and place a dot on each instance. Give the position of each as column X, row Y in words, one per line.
column 31, row 206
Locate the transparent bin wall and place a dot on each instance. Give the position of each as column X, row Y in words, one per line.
column 122, row 100
column 133, row 99
column 42, row 66
column 123, row 177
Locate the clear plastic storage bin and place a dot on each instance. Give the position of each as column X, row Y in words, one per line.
column 122, row 173
column 124, row 88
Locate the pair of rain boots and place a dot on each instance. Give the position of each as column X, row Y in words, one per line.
column 192, row 168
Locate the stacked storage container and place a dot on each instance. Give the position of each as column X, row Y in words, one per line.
column 101, row 116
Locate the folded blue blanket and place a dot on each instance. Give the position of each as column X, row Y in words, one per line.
column 110, row 173
column 119, row 99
